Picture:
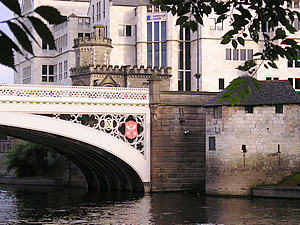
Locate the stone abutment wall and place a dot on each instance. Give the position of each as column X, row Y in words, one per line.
column 177, row 139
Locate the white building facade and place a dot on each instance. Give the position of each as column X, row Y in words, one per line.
column 144, row 35
column 50, row 66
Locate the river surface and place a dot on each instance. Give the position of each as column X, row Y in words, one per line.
column 40, row 205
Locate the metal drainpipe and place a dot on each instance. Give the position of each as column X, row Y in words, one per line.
column 198, row 56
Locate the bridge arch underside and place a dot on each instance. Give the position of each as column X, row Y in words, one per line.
column 103, row 171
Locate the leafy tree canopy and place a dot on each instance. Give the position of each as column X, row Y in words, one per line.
column 28, row 159
column 22, row 33
column 246, row 19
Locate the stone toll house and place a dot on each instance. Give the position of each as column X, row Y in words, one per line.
column 255, row 143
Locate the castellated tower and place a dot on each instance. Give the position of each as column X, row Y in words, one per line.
column 93, row 51
column 92, row 66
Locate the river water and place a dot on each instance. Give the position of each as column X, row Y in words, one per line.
column 41, row 205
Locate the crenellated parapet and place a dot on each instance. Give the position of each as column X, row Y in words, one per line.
column 93, row 41
column 122, row 70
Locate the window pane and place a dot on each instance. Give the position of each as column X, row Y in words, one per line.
column 128, row 30
column 164, row 54
column 156, row 31
column 279, row 108
column 249, row 109
column 80, row 35
column 181, row 55
column 188, row 81
column 44, row 69
column 220, row 26
column 250, row 54
column 291, row 81
column 163, row 31
column 44, row 79
column 221, row 83
column 212, row 143
column 51, row 79
column 187, row 55
column 228, row 54
column 149, row 54
column 297, row 83
column 51, row 69
column 181, row 34
column 156, row 54
column 290, row 64
column 121, row 30
column 212, row 23
column 243, row 55
column 235, row 54
column 180, row 81
column 149, row 31
column 149, row 8
column 187, row 34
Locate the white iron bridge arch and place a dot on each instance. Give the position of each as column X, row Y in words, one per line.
column 104, row 131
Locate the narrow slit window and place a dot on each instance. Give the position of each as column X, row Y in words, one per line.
column 212, row 144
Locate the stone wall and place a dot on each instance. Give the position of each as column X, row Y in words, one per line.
column 177, row 139
column 261, row 132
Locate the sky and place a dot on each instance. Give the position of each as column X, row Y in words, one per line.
column 6, row 74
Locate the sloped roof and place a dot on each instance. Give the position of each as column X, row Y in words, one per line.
column 271, row 92
column 131, row 2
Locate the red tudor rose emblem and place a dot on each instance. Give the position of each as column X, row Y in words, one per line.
column 131, row 131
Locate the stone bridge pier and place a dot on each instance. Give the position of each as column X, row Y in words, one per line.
column 177, row 138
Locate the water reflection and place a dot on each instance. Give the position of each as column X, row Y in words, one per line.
column 69, row 206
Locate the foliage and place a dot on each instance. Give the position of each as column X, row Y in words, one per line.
column 23, row 34
column 293, row 180
column 247, row 18
column 28, row 159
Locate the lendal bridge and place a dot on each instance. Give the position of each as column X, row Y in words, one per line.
column 120, row 138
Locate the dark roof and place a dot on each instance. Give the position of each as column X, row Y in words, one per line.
column 271, row 92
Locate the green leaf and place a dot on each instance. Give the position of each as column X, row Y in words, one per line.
column 52, row 15
column 181, row 20
column 20, row 36
column 225, row 40
column 273, row 65
column 255, row 82
column 247, row 90
column 237, row 99
column 43, row 31
column 28, row 32
column 10, row 43
column 234, row 43
column 231, row 100
column 13, row 5
column 6, row 59
column 289, row 41
column 241, row 41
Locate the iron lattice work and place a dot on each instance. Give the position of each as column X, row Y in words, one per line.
column 128, row 128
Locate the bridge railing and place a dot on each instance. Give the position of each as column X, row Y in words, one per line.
column 73, row 94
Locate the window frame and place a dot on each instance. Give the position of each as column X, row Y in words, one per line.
column 249, row 109
column 212, row 143
column 279, row 108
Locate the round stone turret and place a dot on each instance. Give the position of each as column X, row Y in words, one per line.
column 95, row 50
